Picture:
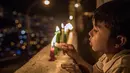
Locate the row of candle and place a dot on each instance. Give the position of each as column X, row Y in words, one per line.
column 61, row 36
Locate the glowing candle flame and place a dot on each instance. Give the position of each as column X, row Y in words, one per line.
column 54, row 38
column 68, row 27
column 57, row 28
column 62, row 25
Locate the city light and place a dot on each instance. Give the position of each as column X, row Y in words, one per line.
column 16, row 21
column 70, row 17
column 23, row 32
column 76, row 5
column 46, row 2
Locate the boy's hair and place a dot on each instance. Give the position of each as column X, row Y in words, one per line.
column 116, row 15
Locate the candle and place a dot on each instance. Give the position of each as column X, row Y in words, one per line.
column 52, row 55
column 58, row 34
column 54, row 50
column 69, row 33
column 63, row 38
column 68, row 29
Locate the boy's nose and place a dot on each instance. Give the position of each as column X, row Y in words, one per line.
column 90, row 33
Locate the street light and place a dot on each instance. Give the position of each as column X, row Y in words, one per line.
column 76, row 5
column 46, row 2
column 70, row 17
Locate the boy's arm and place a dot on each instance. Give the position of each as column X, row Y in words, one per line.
column 86, row 66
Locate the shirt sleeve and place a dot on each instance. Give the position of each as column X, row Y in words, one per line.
column 124, row 66
column 99, row 63
column 121, row 70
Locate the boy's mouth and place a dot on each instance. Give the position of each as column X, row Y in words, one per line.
column 90, row 43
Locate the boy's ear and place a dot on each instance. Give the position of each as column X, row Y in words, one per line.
column 121, row 40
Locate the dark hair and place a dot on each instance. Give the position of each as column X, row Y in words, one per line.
column 115, row 14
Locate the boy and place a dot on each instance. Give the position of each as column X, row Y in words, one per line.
column 110, row 35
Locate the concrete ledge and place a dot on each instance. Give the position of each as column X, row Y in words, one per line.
column 40, row 64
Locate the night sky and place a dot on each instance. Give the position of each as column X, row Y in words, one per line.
column 56, row 7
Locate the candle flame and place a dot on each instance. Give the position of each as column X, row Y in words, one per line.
column 57, row 28
column 62, row 25
column 53, row 41
column 69, row 26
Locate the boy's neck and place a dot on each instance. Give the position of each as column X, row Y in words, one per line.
column 109, row 56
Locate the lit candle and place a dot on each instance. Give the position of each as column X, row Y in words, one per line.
column 54, row 50
column 63, row 38
column 69, row 32
column 68, row 28
column 58, row 34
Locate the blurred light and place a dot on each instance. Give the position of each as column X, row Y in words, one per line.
column 18, row 52
column 76, row 5
column 32, row 35
column 23, row 32
column 70, row 17
column 14, row 12
column 62, row 25
column 1, row 35
column 45, row 39
column 21, row 41
column 51, row 18
column 19, row 14
column 37, row 23
column 12, row 43
column 23, row 47
column 41, row 42
column 33, row 42
column 57, row 28
column 20, row 37
column 46, row 2
column 38, row 46
column 37, row 34
column 19, row 25
column 69, row 26
column 25, row 37
column 14, row 54
column 5, row 30
column 25, row 43
column 16, row 21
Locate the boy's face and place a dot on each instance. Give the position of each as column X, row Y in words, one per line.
column 99, row 37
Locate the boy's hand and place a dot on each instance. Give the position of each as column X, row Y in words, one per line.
column 71, row 68
column 68, row 49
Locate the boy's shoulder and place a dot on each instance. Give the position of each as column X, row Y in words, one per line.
column 123, row 61
column 119, row 60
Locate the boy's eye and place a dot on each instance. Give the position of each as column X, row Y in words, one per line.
column 95, row 30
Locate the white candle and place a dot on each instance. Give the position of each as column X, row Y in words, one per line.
column 62, row 39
